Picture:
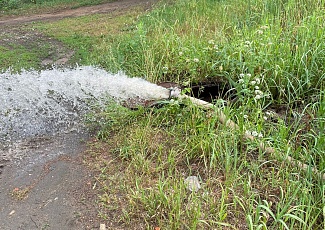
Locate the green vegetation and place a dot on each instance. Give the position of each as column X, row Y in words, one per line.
column 271, row 53
column 20, row 57
column 28, row 6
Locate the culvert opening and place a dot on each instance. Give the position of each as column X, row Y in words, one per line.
column 206, row 91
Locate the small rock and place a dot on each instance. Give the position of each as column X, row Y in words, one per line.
column 192, row 183
column 12, row 212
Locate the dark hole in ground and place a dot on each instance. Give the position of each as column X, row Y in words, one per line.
column 212, row 90
column 207, row 91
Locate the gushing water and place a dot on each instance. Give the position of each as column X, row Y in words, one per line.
column 50, row 101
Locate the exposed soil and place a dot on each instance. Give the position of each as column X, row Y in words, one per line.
column 44, row 183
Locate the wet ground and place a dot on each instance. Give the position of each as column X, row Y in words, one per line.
column 45, row 185
column 43, row 181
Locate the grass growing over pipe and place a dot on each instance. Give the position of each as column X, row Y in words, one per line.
column 152, row 151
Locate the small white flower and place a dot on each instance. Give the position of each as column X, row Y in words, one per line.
column 258, row 81
column 258, row 92
column 260, row 135
column 253, row 82
column 256, row 87
column 247, row 132
column 245, row 116
column 180, row 53
column 165, row 68
column 257, row 97
column 241, row 81
column 254, row 134
column 268, row 113
column 216, row 47
column 248, row 43
column 241, row 75
column 211, row 42
column 248, row 75
column 259, row 31
column 265, row 118
column 196, row 60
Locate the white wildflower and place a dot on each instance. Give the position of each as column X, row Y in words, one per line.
column 196, row 60
column 211, row 42
column 258, row 81
column 165, row 68
column 241, row 75
column 248, row 75
column 257, row 97
column 245, row 116
column 258, row 92
column 260, row 135
column 256, row 87
column 259, row 31
column 241, row 81
column 265, row 118
column 180, row 53
column 254, row 134
column 253, row 82
column 216, row 47
column 248, row 133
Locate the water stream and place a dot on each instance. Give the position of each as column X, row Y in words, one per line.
column 50, row 101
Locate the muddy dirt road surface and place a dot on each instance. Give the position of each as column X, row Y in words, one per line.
column 43, row 181
column 98, row 9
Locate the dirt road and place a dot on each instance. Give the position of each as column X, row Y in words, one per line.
column 44, row 184
column 98, row 9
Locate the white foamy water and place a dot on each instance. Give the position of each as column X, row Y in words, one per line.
column 50, row 101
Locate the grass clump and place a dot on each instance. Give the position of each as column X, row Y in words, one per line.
column 271, row 52
column 191, row 41
column 241, row 187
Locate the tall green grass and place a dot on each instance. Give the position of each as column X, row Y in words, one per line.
column 190, row 41
column 242, row 188
column 271, row 52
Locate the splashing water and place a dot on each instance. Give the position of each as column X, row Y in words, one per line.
column 35, row 103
